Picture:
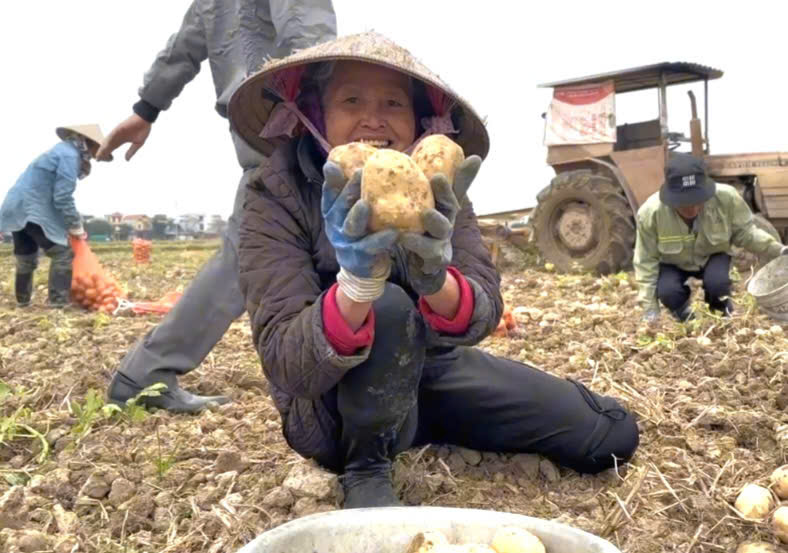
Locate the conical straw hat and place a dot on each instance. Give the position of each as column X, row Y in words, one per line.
column 249, row 108
column 91, row 132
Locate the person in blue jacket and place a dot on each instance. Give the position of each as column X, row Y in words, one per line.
column 40, row 212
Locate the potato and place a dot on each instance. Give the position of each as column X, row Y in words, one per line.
column 427, row 542
column 397, row 191
column 438, row 154
column 756, row 547
column 754, row 502
column 780, row 524
column 511, row 539
column 351, row 157
column 779, row 480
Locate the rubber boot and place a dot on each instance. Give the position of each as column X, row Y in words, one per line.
column 367, row 478
column 684, row 313
column 23, row 282
column 60, row 275
column 173, row 398
column 377, row 401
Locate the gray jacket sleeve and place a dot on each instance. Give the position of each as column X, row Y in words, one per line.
column 178, row 63
column 287, row 25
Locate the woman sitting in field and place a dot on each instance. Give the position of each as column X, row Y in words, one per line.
column 366, row 337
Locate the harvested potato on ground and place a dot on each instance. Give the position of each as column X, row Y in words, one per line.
column 511, row 539
column 438, row 154
column 780, row 524
column 779, row 480
column 427, row 542
column 756, row 547
column 754, row 501
column 397, row 191
column 351, row 157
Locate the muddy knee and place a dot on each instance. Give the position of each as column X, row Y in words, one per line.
column 385, row 386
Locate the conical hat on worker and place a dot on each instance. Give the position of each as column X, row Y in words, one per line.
column 254, row 101
column 91, row 132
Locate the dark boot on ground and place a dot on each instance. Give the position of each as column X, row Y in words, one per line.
column 23, row 286
column 60, row 275
column 23, row 282
column 684, row 314
column 174, row 398
column 367, row 478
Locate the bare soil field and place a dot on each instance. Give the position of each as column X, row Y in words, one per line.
column 77, row 475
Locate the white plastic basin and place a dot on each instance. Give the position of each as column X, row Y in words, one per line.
column 390, row 530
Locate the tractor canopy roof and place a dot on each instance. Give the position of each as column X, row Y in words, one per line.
column 646, row 76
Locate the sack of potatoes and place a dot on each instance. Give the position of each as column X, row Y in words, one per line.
column 396, row 185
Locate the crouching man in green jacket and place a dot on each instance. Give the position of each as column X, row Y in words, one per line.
column 687, row 230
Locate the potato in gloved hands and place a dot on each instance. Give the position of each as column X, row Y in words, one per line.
column 437, row 153
column 396, row 190
column 351, row 157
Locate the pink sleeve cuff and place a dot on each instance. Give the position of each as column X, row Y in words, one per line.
column 459, row 324
column 337, row 331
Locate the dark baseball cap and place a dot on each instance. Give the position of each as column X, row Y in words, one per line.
column 686, row 182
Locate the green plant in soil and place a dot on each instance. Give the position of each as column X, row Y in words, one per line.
column 163, row 462
column 93, row 410
column 135, row 409
column 16, row 425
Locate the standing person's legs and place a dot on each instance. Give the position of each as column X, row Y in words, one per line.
column 199, row 319
column 59, row 268
column 717, row 283
column 26, row 255
column 488, row 403
column 673, row 292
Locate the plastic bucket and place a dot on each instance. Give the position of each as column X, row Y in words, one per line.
column 769, row 287
column 391, row 529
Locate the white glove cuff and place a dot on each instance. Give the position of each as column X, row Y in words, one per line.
column 361, row 289
column 76, row 231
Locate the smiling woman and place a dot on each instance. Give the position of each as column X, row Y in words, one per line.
column 365, row 334
column 370, row 104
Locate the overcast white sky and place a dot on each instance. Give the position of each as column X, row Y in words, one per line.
column 83, row 61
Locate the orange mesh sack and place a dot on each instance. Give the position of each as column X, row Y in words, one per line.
column 159, row 307
column 91, row 286
column 162, row 306
column 141, row 249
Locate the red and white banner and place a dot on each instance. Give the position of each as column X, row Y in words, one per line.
column 583, row 114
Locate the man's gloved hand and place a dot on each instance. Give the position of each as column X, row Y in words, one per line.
column 428, row 255
column 651, row 316
column 134, row 130
column 78, row 232
column 364, row 258
column 784, row 250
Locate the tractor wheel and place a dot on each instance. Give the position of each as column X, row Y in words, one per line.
column 583, row 221
column 744, row 260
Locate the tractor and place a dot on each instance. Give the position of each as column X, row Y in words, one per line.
column 585, row 218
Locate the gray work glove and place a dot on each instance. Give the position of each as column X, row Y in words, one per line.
column 651, row 316
column 428, row 255
column 364, row 258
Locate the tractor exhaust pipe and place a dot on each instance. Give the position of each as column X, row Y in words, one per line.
column 696, row 138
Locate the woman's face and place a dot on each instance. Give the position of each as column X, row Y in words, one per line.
column 368, row 103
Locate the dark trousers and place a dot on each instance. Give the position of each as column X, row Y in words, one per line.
column 464, row 397
column 673, row 292
column 28, row 240
column 27, row 243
